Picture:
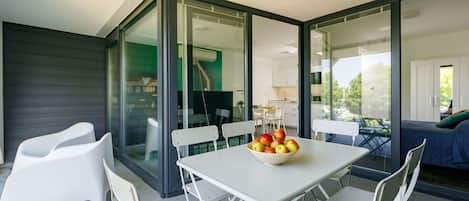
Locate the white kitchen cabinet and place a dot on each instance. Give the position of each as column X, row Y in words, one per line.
column 283, row 76
column 291, row 114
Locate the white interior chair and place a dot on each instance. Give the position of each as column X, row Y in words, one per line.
column 32, row 150
column 236, row 129
column 414, row 157
column 201, row 189
column 276, row 119
column 69, row 173
column 152, row 138
column 120, row 189
column 259, row 118
column 351, row 129
column 388, row 189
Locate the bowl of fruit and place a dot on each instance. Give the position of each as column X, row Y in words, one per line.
column 273, row 149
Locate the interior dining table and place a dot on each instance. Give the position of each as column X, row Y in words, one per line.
column 236, row 171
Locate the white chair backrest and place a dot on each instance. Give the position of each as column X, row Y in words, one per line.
column 121, row 189
column 79, row 133
column 258, row 113
column 189, row 136
column 414, row 157
column 336, row 127
column 237, row 129
column 390, row 188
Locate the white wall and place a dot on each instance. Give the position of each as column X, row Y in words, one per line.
column 233, row 74
column 262, row 81
column 449, row 44
column 1, row 93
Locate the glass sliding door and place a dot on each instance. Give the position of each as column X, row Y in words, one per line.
column 351, row 80
column 434, row 80
column 211, row 67
column 141, row 133
column 113, row 83
column 275, row 75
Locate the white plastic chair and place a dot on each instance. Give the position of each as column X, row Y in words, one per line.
column 32, row 150
column 69, row 173
column 120, row 189
column 414, row 157
column 236, row 129
column 201, row 189
column 152, row 138
column 388, row 189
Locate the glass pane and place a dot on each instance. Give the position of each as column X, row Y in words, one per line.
column 434, row 80
column 275, row 75
column 446, row 91
column 351, row 80
column 211, row 66
column 141, row 135
column 113, row 90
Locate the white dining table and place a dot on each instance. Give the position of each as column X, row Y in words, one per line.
column 237, row 172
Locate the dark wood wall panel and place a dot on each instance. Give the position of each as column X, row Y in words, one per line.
column 52, row 80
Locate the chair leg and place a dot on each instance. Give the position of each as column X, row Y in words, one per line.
column 263, row 126
column 350, row 178
column 183, row 184
column 283, row 125
column 340, row 183
column 195, row 186
column 324, row 193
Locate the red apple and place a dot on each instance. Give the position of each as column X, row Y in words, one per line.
column 257, row 146
column 281, row 149
column 279, row 135
column 292, row 145
column 269, row 150
column 266, row 139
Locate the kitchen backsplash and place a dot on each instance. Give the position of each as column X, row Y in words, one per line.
column 286, row 93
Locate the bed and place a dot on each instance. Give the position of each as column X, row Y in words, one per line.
column 445, row 147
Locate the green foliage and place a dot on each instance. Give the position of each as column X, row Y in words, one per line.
column 337, row 92
column 446, row 87
column 353, row 95
column 370, row 97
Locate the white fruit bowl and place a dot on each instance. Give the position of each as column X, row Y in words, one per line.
column 272, row 158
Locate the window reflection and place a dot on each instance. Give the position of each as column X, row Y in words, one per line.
column 141, row 137
column 351, row 80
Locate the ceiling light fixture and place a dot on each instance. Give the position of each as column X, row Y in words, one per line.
column 290, row 50
column 385, row 28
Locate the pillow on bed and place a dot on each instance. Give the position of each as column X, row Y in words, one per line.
column 453, row 120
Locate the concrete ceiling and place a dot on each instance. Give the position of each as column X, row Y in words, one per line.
column 302, row 10
column 433, row 16
column 273, row 39
column 88, row 17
